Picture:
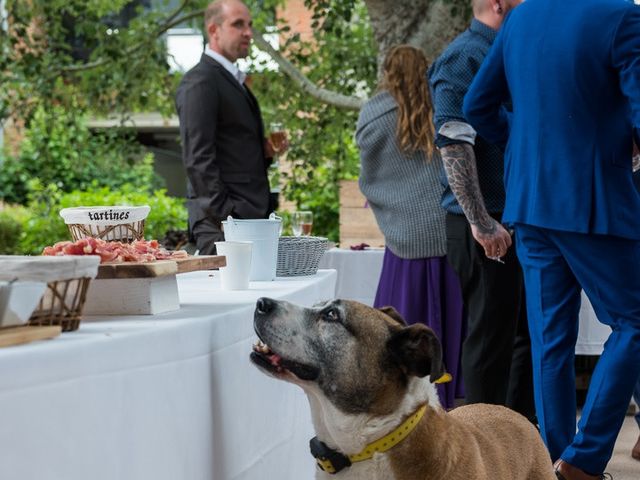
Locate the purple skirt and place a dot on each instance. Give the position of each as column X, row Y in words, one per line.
column 427, row 290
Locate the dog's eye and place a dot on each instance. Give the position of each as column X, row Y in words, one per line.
column 331, row 315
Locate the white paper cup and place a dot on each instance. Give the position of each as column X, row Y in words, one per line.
column 235, row 276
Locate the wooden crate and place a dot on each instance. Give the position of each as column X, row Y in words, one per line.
column 142, row 288
column 357, row 222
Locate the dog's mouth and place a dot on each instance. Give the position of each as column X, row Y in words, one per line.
column 275, row 364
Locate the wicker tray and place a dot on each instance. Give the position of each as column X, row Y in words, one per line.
column 67, row 278
column 298, row 256
column 62, row 304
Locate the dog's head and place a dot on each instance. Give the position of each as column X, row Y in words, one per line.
column 360, row 358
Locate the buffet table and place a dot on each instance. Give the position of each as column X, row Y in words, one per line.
column 171, row 396
column 359, row 272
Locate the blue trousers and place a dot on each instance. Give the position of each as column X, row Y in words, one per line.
column 556, row 266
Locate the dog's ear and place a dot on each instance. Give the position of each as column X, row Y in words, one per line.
column 417, row 350
column 393, row 313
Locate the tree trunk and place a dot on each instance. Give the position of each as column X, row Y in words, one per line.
column 427, row 24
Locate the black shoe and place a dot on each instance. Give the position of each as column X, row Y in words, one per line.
column 574, row 473
column 604, row 476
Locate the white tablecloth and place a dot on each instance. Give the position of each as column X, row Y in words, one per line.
column 592, row 334
column 171, row 396
column 359, row 272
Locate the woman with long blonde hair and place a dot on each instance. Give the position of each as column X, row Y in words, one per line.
column 404, row 77
column 400, row 175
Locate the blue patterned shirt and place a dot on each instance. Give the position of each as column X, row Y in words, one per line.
column 450, row 77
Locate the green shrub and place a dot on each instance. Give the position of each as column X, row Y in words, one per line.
column 44, row 226
column 58, row 148
column 12, row 219
column 13, row 180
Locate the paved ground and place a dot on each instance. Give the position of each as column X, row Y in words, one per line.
column 622, row 466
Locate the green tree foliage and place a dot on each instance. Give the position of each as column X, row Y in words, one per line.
column 82, row 55
column 61, row 61
column 73, row 56
column 340, row 57
column 71, row 53
column 125, row 70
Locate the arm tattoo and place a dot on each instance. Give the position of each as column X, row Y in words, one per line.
column 460, row 166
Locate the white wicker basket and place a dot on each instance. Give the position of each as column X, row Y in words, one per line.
column 299, row 256
column 120, row 222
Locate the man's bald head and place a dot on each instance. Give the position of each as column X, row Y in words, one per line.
column 215, row 11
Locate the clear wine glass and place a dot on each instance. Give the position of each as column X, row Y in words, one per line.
column 302, row 223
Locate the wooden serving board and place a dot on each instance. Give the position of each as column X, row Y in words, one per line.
column 201, row 262
column 137, row 270
column 25, row 334
column 159, row 268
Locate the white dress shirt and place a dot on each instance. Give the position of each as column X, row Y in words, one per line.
column 238, row 74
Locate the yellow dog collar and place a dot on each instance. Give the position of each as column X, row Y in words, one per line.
column 446, row 378
column 332, row 461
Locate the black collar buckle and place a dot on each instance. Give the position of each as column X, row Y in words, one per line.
column 327, row 459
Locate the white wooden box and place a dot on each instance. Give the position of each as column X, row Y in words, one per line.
column 132, row 296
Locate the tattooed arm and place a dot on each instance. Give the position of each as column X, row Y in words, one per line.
column 460, row 166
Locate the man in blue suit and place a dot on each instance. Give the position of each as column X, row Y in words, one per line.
column 572, row 71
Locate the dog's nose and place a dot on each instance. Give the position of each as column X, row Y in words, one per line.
column 264, row 305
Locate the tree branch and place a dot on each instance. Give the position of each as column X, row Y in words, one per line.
column 171, row 22
column 306, row 85
column 177, row 11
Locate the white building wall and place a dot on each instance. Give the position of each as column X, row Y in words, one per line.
column 185, row 46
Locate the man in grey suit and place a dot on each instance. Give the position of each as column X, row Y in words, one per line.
column 223, row 146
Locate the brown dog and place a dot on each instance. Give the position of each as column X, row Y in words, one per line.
column 367, row 375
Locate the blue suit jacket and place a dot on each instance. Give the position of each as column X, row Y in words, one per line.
column 572, row 70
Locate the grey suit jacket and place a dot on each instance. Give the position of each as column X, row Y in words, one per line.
column 222, row 145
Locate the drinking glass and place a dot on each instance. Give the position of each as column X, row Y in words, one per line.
column 277, row 137
column 301, row 223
